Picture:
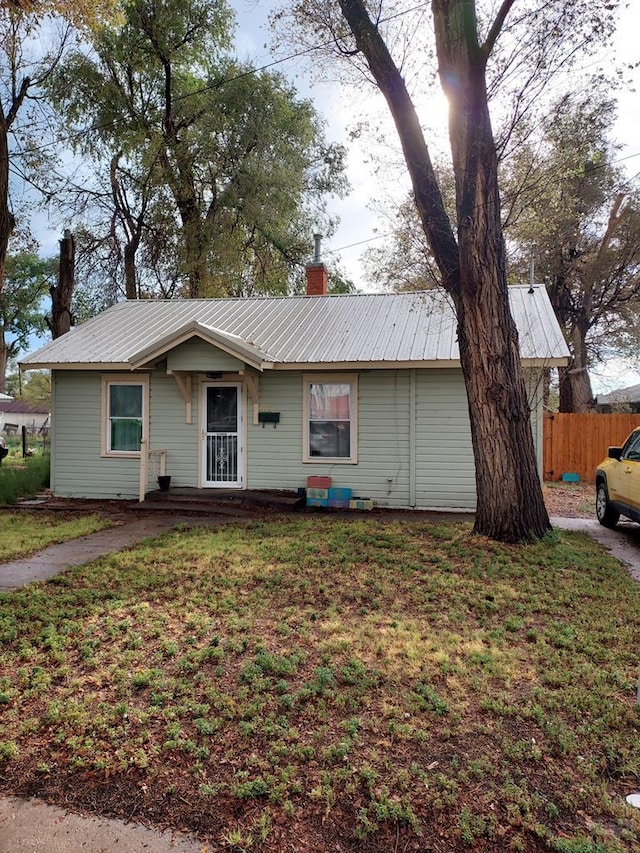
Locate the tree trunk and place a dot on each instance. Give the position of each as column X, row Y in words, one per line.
column 7, row 221
column 194, row 248
column 131, row 226
column 509, row 493
column 60, row 321
column 4, row 359
column 576, row 394
column 130, row 278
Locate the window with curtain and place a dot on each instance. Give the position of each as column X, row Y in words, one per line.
column 331, row 410
column 125, row 417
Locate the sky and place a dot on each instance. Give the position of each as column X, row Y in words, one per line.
column 360, row 228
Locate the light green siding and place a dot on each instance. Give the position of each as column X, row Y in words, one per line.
column 382, row 472
column 445, row 471
column 197, row 355
column 414, row 442
column 534, row 378
column 168, row 429
column 78, row 469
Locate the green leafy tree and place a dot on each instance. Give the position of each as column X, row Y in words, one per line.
column 34, row 386
column 215, row 172
column 81, row 13
column 26, row 284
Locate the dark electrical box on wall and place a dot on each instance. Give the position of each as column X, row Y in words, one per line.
column 269, row 418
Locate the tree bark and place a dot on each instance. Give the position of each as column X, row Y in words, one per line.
column 131, row 226
column 4, row 360
column 473, row 267
column 7, row 221
column 60, row 321
column 575, row 391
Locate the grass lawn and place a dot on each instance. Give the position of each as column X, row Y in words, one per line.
column 23, row 533
column 320, row 684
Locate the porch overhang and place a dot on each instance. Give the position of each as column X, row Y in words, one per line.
column 229, row 343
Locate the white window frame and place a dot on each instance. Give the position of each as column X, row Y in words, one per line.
column 351, row 379
column 107, row 382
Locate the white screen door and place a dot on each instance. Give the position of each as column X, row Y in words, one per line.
column 221, row 444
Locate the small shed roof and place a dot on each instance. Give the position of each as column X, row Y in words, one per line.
column 386, row 330
column 23, row 407
column 622, row 395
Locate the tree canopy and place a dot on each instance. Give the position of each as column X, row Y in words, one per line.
column 212, row 174
column 81, row 13
column 27, row 281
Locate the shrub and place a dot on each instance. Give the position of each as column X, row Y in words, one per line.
column 24, row 481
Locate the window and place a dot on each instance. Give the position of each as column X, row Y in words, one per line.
column 330, row 418
column 124, row 407
column 631, row 450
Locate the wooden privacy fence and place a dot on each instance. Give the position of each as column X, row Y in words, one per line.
column 574, row 444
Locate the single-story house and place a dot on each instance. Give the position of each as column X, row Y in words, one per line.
column 261, row 393
column 621, row 400
column 15, row 414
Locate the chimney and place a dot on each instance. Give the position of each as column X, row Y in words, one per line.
column 316, row 272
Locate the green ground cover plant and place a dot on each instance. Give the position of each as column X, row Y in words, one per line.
column 23, row 478
column 320, row 684
column 22, row 533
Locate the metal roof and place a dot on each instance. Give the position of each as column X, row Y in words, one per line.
column 23, row 407
column 621, row 395
column 385, row 329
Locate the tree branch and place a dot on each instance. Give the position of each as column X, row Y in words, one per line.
column 496, row 27
column 425, row 185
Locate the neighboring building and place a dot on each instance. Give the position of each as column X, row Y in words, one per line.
column 14, row 414
column 261, row 393
column 622, row 400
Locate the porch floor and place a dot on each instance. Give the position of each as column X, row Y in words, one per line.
column 188, row 499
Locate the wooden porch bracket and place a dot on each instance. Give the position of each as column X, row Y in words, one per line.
column 184, row 383
column 252, row 382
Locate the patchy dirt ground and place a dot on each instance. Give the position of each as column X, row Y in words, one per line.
column 570, row 500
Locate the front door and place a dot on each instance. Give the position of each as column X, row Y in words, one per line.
column 221, row 436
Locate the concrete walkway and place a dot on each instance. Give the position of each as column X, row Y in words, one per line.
column 31, row 826
column 56, row 558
